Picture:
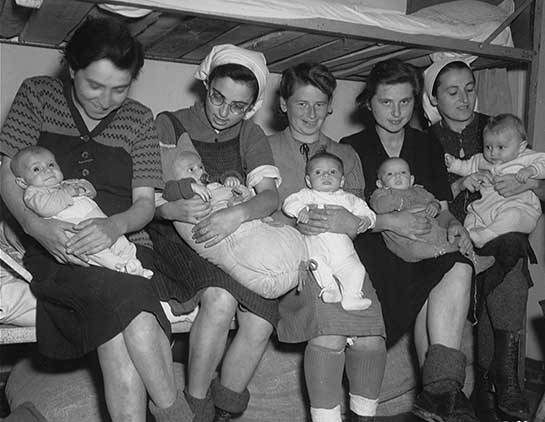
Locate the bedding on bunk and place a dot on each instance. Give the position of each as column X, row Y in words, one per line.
column 461, row 19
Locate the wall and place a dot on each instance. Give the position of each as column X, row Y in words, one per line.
column 162, row 86
column 168, row 86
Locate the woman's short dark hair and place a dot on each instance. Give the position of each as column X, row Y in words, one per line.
column 237, row 73
column 457, row 65
column 101, row 38
column 314, row 74
column 390, row 72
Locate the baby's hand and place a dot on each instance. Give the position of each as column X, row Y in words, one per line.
column 432, row 209
column 524, row 174
column 231, row 181
column 449, row 159
column 303, row 216
column 201, row 191
column 365, row 223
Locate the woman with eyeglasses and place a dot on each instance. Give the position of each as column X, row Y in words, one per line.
column 338, row 340
column 219, row 129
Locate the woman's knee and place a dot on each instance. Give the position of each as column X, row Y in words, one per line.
column 218, row 303
column 456, row 283
column 336, row 343
column 369, row 343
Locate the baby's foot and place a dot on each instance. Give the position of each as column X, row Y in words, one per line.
column 134, row 267
column 331, row 294
column 355, row 302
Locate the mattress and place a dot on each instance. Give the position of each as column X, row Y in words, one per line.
column 462, row 19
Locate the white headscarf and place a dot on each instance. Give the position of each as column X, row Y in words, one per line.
column 430, row 75
column 227, row 54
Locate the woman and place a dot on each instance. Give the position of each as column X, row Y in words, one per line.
column 432, row 295
column 306, row 91
column 96, row 133
column 450, row 86
column 219, row 130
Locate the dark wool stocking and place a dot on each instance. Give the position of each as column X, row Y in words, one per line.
column 444, row 369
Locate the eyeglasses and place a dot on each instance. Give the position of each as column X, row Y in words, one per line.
column 236, row 107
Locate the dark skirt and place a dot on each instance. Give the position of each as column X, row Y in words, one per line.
column 182, row 275
column 81, row 308
column 507, row 250
column 305, row 316
column 402, row 287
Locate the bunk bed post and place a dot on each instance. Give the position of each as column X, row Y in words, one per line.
column 536, row 85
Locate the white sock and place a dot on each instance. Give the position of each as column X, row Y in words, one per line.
column 363, row 406
column 326, row 415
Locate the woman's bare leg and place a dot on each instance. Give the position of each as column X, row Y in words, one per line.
column 447, row 305
column 149, row 350
column 208, row 337
column 123, row 387
column 421, row 338
column 245, row 351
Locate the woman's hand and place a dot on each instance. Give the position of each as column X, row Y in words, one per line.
column 217, row 226
column 92, row 236
column 456, row 232
column 507, row 185
column 474, row 181
column 408, row 223
column 185, row 210
column 331, row 218
column 51, row 234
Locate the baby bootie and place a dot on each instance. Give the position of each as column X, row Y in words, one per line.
column 355, row 302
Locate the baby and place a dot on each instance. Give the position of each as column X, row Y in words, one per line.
column 505, row 151
column 262, row 257
column 49, row 196
column 338, row 269
column 397, row 191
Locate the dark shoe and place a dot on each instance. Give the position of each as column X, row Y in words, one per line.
column 510, row 399
column 452, row 406
column 484, row 397
column 222, row 415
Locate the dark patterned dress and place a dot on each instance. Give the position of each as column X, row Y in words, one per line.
column 81, row 308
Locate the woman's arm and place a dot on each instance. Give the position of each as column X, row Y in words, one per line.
column 96, row 234
column 51, row 234
column 222, row 223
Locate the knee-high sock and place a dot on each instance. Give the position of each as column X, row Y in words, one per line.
column 323, row 376
column 507, row 302
column 444, row 369
column 365, row 370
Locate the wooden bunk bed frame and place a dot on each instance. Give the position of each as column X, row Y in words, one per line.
column 348, row 49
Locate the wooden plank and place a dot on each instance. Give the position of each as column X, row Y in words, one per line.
column 535, row 105
column 160, row 29
column 295, row 46
column 366, row 66
column 366, row 53
column 53, row 21
column 243, row 35
column 189, row 35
